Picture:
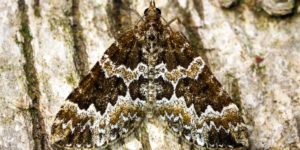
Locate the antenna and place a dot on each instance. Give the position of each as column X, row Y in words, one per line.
column 152, row 3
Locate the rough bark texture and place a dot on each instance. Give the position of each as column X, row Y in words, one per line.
column 253, row 48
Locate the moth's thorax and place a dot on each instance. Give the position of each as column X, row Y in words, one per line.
column 151, row 26
column 150, row 31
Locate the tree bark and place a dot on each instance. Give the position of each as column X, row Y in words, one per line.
column 47, row 46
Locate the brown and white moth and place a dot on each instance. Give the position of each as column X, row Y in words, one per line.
column 149, row 70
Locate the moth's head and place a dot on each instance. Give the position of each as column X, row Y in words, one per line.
column 152, row 14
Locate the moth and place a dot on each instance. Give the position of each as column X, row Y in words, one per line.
column 149, row 71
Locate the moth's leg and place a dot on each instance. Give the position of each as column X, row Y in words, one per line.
column 145, row 137
column 172, row 21
column 168, row 23
column 128, row 7
column 136, row 13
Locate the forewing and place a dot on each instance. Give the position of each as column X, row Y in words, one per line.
column 192, row 100
column 101, row 109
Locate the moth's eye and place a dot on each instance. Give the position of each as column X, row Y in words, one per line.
column 146, row 12
column 158, row 11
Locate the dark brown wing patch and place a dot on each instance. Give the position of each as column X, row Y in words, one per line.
column 164, row 89
column 95, row 88
column 177, row 52
column 135, row 88
column 204, row 91
column 126, row 47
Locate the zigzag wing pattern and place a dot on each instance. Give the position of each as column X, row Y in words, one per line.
column 106, row 105
column 196, row 108
column 149, row 70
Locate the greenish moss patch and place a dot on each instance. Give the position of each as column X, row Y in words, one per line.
column 56, row 23
column 71, row 79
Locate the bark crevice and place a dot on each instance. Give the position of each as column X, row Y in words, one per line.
column 80, row 56
column 39, row 134
column 119, row 16
column 37, row 8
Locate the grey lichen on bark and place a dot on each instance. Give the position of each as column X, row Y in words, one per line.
column 278, row 7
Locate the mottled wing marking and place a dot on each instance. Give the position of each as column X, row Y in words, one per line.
column 150, row 69
column 126, row 51
column 101, row 109
column 198, row 110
